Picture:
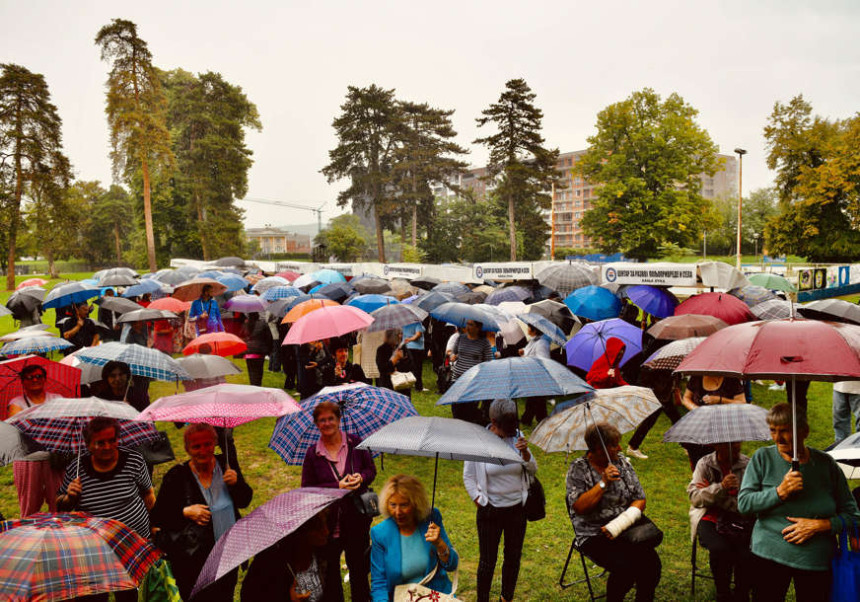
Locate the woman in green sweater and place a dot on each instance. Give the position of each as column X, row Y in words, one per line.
column 797, row 512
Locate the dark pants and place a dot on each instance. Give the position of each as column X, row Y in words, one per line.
column 492, row 523
column 772, row 581
column 628, row 565
column 728, row 555
column 354, row 542
column 535, row 408
column 256, row 366
column 222, row 590
column 469, row 411
column 416, row 358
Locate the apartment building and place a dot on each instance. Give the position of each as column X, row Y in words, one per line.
column 279, row 239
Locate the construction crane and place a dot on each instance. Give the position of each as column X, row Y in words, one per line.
column 317, row 210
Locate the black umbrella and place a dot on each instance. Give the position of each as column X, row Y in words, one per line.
column 146, row 315
column 118, row 304
column 425, row 282
column 337, row 291
column 835, row 310
column 432, row 300
column 230, row 262
column 371, row 285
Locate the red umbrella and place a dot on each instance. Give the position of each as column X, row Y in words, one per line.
column 288, row 274
column 724, row 306
column 170, row 304
column 31, row 282
column 61, row 379
column 216, row 343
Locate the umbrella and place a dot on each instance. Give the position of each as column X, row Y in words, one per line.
column 26, row 299
column 273, row 293
column 775, row 309
column 372, row 302
column 514, row 378
column 364, row 410
column 90, row 373
column 472, row 297
column 653, row 300
column 590, row 342
column 724, row 423
column 171, row 277
column 280, row 307
column 287, row 275
column 336, row 291
column 233, row 282
column 686, row 326
column 148, row 286
column 219, row 343
column 557, row 313
column 266, row 283
column 119, row 304
column 60, row 379
column 514, row 308
column 14, row 444
column 452, row 288
column 4, row 311
column 669, row 357
column 192, row 289
column 327, row 276
column 432, row 300
column 716, row 274
column 847, row 453
column 460, row 313
column 509, row 293
column 116, row 277
column 594, row 303
column 567, row 277
column 371, row 285
column 170, row 304
column 396, row 316
column 70, row 555
column 836, row 310
column 31, row 282
column 42, row 344
column 485, row 288
column 446, row 438
column 752, row 295
column 724, row 306
column 264, row 527
column 207, row 366
column 326, row 322
column 68, row 293
column 36, row 330
column 622, row 407
column 233, row 262
column 543, row 325
column 246, row 304
column 143, row 361
column 146, row 315
column 425, row 282
column 305, row 307
column 773, row 282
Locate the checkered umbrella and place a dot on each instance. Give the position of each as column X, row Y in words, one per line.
column 509, row 293
column 452, row 288
column 70, row 555
column 775, row 309
column 396, row 316
column 670, row 356
column 41, row 344
column 364, row 410
column 268, row 283
column 432, row 300
column 723, row 423
column 275, row 292
column 752, row 295
column 567, row 277
column 143, row 361
column 68, row 293
column 58, row 424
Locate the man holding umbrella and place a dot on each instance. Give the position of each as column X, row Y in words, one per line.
column 79, row 329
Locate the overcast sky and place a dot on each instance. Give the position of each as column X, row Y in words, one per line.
column 730, row 59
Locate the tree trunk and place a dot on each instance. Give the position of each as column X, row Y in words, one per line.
column 13, row 227
column 117, row 241
column 513, row 228
column 415, row 225
column 380, row 239
column 52, row 267
column 201, row 225
column 147, row 217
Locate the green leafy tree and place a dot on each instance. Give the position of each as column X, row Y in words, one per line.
column 647, row 155
column 137, row 115
column 30, row 146
column 109, row 225
column 758, row 208
column 522, row 169
column 344, row 238
column 367, row 133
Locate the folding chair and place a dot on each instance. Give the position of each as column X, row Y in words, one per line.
column 586, row 577
column 696, row 571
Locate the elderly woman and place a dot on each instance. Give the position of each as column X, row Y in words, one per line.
column 205, row 314
column 334, row 462
column 797, row 512
column 606, row 502
column 499, row 492
column 206, row 492
column 392, row 357
column 714, row 517
column 410, row 543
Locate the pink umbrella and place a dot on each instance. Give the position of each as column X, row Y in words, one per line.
column 327, row 322
column 724, row 306
column 31, row 282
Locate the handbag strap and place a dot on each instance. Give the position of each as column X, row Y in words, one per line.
column 455, row 581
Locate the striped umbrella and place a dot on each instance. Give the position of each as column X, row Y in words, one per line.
column 396, row 316
column 143, row 361
column 724, row 423
column 670, row 356
column 567, row 277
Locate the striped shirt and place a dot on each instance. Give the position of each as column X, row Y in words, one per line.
column 117, row 494
column 470, row 352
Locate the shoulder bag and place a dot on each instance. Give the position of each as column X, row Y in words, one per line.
column 186, row 542
column 415, row 592
column 644, row 532
column 535, row 506
column 402, row 381
column 367, row 503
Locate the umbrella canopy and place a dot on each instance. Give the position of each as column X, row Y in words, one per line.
column 279, row 308
column 717, row 274
column 371, row 285
column 230, row 262
column 148, row 286
column 60, row 379
column 171, row 277
column 623, row 407
column 670, row 356
column 117, row 277
column 686, row 326
column 218, row 343
column 836, row 310
column 146, row 315
column 208, row 366
column 369, row 303
column 41, row 344
column 14, row 444
column 264, row 527
column 396, row 316
column 847, row 451
column 226, row 405
column 558, row 313
column 460, row 313
column 451, row 288
column 364, row 410
column 724, row 423
column 325, row 322
column 36, row 330
column 68, row 293
column 170, row 304
column 590, row 342
column 31, row 282
column 273, row 293
column 567, row 277
column 425, row 282
column 287, row 275
column 752, row 295
column 119, row 304
column 192, row 289
column 472, row 297
column 775, row 309
column 305, row 307
column 327, row 276
column 70, row 555
column 773, row 282
column 5, row 311
column 593, row 302
column 513, row 378
column 543, row 325
column 653, row 300
column 25, row 299
column 143, row 361
column 246, row 304
column 432, row 300
column 233, row 282
column 271, row 282
column 337, row 291
column 724, row 306
column 509, row 293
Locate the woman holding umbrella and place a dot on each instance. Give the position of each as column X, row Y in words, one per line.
column 204, row 312
column 392, row 357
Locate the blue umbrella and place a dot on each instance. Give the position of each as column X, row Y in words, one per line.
column 512, row 378
column 216, row 274
column 280, row 292
column 68, row 293
column 460, row 313
column 432, row 300
column 364, row 410
column 145, row 286
column 590, row 342
column 544, row 325
column 371, row 303
column 316, row 288
column 509, row 293
column 328, row 276
column 142, row 361
column 594, row 303
column 232, row 282
column 655, row 301
column 34, row 345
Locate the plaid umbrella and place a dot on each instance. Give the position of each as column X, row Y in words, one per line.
column 752, row 295
column 267, row 283
column 567, row 277
column 721, row 424
column 509, row 293
column 370, row 303
column 686, row 326
column 62, row 556
column 364, row 410
column 38, row 344
column 116, row 277
column 653, row 300
column 836, row 310
column 143, row 361
column 452, row 288
column 432, row 300
column 775, row 309
column 263, row 528
column 119, row 304
column 58, row 424
column 146, row 315
column 513, row 378
column 670, row 356
column 246, row 304
column 68, row 293
column 220, row 343
column 192, row 289
column 773, row 282
column 275, row 292
column 208, row 366
column 590, row 342
column 371, row 285
column 593, row 302
column 542, row 324
column 396, row 316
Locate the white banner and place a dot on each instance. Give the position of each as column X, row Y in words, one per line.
column 402, row 270
column 301, row 267
column 451, row 273
column 661, row 274
column 512, row 270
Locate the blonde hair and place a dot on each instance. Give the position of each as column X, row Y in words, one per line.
column 410, row 488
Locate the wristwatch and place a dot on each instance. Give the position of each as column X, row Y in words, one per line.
column 602, row 484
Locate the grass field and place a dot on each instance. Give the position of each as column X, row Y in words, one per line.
column 664, row 476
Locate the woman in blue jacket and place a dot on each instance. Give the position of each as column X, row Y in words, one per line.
column 410, row 543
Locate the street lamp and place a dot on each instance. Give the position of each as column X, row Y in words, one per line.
column 755, row 242
column 741, row 152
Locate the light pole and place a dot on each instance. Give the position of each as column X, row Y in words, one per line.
column 755, row 248
column 741, row 152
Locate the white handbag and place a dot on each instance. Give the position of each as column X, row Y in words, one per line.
column 415, row 592
column 402, row 381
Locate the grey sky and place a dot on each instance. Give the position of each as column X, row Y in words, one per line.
column 729, row 59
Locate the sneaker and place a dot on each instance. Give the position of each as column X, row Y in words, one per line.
column 635, row 453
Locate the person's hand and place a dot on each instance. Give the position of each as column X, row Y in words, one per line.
column 792, row 483
column 295, row 596
column 230, row 477
column 203, row 316
column 357, row 478
column 199, row 513
column 477, row 505
column 712, row 400
column 80, row 322
column 433, row 535
column 730, row 481
column 521, row 351
column 311, row 365
column 453, row 357
column 606, row 533
column 348, row 482
column 803, row 529
column 398, row 355
column 522, row 446
column 611, row 473
column 75, row 488
column 611, row 372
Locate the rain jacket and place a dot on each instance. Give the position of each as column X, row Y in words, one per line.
column 598, row 376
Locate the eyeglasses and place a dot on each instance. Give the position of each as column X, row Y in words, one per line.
column 104, row 442
column 34, row 376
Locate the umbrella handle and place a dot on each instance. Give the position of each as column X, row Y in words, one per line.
column 435, row 473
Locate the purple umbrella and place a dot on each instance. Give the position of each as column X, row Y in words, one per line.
column 590, row 342
column 246, row 304
column 656, row 301
column 263, row 528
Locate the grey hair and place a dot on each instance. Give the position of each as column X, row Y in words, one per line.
column 503, row 413
column 781, row 415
